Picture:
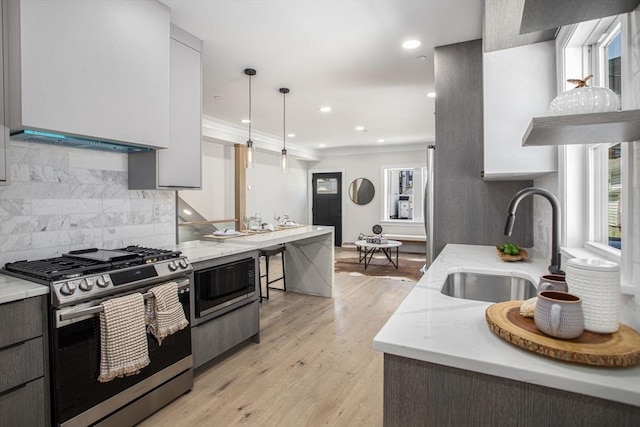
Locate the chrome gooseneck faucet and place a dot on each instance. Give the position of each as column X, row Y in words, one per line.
column 555, row 230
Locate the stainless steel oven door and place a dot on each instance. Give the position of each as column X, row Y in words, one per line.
column 78, row 398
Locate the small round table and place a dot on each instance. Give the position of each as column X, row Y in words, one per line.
column 366, row 251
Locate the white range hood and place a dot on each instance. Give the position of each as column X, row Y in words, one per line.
column 89, row 74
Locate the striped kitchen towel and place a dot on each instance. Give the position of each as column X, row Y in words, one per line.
column 123, row 339
column 164, row 313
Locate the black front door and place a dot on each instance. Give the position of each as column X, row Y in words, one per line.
column 327, row 202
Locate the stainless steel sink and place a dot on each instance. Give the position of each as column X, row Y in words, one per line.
column 487, row 287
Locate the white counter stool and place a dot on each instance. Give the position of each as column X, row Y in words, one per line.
column 268, row 253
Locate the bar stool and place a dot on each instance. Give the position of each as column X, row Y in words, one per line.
column 268, row 253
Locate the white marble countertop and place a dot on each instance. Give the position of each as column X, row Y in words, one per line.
column 436, row 328
column 201, row 250
column 284, row 235
column 14, row 289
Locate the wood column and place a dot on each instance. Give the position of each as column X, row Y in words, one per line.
column 240, row 180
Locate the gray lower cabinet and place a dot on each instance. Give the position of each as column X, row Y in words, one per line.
column 25, row 405
column 212, row 338
column 24, row 392
column 418, row 393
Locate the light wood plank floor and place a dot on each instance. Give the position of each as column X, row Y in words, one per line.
column 314, row 365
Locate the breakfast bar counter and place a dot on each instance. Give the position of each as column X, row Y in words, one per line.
column 309, row 256
column 433, row 331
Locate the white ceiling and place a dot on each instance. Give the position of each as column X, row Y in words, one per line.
column 342, row 53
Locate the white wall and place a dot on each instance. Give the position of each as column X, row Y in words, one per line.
column 360, row 219
column 216, row 199
column 269, row 190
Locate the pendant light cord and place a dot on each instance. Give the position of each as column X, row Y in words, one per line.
column 284, row 121
column 249, row 107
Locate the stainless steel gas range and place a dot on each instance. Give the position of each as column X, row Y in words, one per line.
column 79, row 282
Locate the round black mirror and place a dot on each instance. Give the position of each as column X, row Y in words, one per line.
column 361, row 191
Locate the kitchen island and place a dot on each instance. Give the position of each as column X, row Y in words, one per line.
column 443, row 365
column 309, row 256
column 220, row 327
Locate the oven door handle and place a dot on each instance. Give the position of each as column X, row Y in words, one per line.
column 182, row 285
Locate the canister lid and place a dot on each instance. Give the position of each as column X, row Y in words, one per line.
column 593, row 264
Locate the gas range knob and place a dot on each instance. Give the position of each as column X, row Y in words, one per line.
column 85, row 285
column 67, row 288
column 173, row 266
column 101, row 282
column 183, row 263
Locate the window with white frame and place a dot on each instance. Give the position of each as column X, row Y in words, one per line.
column 605, row 195
column 403, row 193
column 606, row 160
column 598, row 48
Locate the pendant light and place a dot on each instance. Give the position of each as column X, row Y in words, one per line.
column 284, row 163
column 250, row 153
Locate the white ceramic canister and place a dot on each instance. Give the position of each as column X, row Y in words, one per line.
column 597, row 283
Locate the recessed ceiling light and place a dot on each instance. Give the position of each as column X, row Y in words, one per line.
column 291, row 135
column 421, row 58
column 359, row 128
column 381, row 140
column 411, row 44
column 322, row 145
column 245, row 121
column 431, row 95
column 325, row 109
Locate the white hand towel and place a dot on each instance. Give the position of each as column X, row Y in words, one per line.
column 123, row 339
column 164, row 312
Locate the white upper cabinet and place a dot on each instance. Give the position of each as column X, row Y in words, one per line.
column 180, row 165
column 96, row 69
column 519, row 83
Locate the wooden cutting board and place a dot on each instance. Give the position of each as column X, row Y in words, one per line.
column 619, row 349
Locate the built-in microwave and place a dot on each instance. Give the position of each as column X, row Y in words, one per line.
column 222, row 283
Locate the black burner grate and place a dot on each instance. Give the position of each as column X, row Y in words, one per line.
column 52, row 269
column 151, row 254
column 69, row 266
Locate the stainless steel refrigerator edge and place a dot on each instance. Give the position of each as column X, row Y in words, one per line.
column 428, row 204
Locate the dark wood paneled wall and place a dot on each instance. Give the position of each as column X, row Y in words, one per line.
column 468, row 210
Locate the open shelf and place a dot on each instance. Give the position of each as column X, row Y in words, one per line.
column 593, row 128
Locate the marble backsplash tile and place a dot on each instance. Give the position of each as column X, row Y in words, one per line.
column 62, row 199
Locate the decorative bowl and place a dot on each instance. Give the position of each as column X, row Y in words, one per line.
column 584, row 99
